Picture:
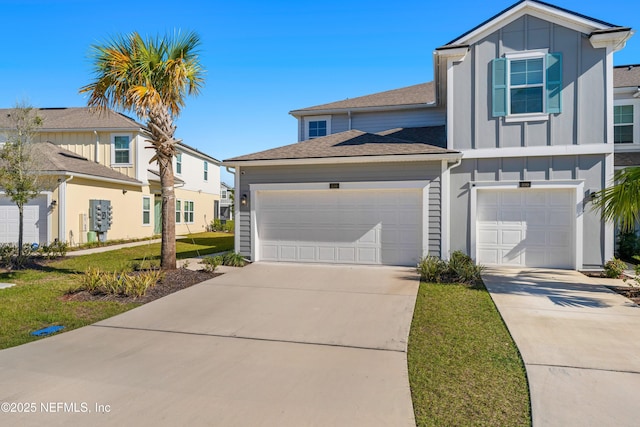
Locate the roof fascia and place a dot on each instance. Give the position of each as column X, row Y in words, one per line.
column 94, row 178
column 346, row 160
column 542, row 11
column 198, row 153
column 304, row 113
column 616, row 39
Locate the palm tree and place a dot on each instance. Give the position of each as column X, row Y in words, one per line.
column 150, row 77
column 621, row 201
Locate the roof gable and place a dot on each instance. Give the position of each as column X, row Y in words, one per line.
column 538, row 9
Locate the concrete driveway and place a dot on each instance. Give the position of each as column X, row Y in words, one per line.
column 266, row 345
column 580, row 343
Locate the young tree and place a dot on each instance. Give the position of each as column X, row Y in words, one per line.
column 19, row 162
column 151, row 78
column 621, row 201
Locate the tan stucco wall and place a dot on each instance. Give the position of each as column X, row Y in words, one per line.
column 203, row 210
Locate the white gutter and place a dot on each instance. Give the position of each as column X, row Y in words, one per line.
column 346, row 160
column 98, row 178
column 302, row 113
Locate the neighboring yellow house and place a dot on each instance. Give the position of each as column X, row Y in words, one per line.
column 105, row 157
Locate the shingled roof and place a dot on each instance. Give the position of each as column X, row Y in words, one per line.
column 58, row 160
column 626, row 75
column 416, row 95
column 352, row 143
column 77, row 118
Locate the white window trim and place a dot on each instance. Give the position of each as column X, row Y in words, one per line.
column 184, row 211
column 316, row 119
column 143, row 211
column 636, row 123
column 527, row 54
column 113, row 149
column 178, row 213
column 576, row 185
column 179, row 162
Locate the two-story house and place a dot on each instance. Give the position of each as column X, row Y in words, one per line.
column 226, row 202
column 105, row 157
column 498, row 157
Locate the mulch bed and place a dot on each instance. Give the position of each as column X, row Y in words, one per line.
column 631, row 293
column 173, row 281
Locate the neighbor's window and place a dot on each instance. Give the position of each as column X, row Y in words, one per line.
column 188, row 212
column 623, row 124
column 121, row 149
column 206, row 171
column 224, row 194
column 146, row 210
column 178, row 163
column 317, row 128
column 178, row 211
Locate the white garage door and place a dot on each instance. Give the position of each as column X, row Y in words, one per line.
column 526, row 227
column 9, row 221
column 340, row 226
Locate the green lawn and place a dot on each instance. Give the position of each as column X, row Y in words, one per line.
column 464, row 368
column 37, row 299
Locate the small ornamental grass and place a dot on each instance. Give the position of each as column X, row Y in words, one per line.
column 460, row 268
column 134, row 284
column 210, row 263
column 233, row 259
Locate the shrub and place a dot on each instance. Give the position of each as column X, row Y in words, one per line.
column 119, row 283
column 210, row 263
column 145, row 264
column 459, row 269
column 54, row 250
column 431, row 269
column 614, row 268
column 91, row 280
column 229, row 226
column 628, row 245
column 216, row 225
column 234, row 259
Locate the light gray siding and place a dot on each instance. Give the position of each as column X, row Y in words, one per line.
column 589, row 168
column 383, row 120
column 583, row 116
column 426, row 171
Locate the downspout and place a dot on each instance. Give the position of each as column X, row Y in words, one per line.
column 445, row 223
column 62, row 209
column 349, row 114
column 97, row 153
column 233, row 213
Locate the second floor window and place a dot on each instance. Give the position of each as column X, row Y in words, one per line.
column 206, row 171
column 178, row 163
column 623, row 124
column 121, row 149
column 317, row 128
column 526, row 83
column 224, row 194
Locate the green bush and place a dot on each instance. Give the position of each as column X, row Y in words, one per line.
column 9, row 257
column 234, row 259
column 459, row 269
column 216, row 225
column 229, row 226
column 54, row 250
column 135, row 284
column 210, row 263
column 614, row 268
column 628, row 245
column 431, row 269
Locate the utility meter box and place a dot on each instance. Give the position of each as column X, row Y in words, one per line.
column 100, row 215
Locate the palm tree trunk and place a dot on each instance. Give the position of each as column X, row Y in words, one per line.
column 168, row 246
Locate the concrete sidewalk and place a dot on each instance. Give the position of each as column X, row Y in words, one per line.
column 580, row 343
column 263, row 345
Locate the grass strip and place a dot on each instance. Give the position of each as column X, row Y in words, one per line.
column 464, row 368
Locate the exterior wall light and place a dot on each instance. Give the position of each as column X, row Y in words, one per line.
column 243, row 200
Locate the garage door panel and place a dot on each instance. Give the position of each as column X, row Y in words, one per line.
column 341, row 226
column 538, row 232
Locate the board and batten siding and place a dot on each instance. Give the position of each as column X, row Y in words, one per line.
column 589, row 168
column 583, row 119
column 410, row 171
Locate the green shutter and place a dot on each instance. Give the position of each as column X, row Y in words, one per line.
column 554, row 83
column 499, row 87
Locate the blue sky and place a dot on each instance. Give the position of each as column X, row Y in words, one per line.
column 263, row 58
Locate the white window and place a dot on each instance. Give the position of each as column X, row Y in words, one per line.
column 188, row 211
column 527, row 85
column 146, row 210
column 317, row 126
column 623, row 124
column 178, row 211
column 178, row 163
column 224, row 194
column 206, row 171
column 121, row 149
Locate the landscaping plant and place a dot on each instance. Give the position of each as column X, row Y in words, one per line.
column 210, row 263
column 614, row 268
column 234, row 259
